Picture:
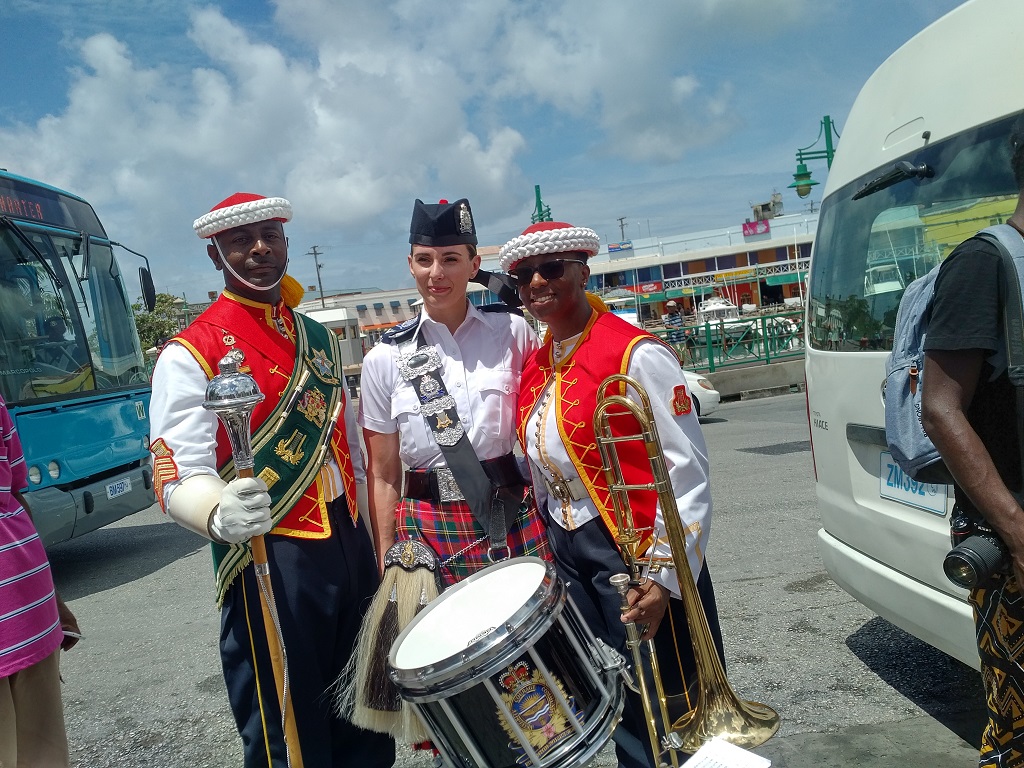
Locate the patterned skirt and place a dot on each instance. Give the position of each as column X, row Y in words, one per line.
column 999, row 621
column 450, row 529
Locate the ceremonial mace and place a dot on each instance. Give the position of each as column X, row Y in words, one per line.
column 233, row 395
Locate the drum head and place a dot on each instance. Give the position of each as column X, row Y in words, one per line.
column 468, row 612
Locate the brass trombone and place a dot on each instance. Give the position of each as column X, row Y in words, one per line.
column 716, row 710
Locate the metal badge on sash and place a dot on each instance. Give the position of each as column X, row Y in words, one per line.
column 421, row 369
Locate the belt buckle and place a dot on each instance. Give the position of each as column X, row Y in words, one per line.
column 447, row 488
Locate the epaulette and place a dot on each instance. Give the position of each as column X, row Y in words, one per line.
column 402, row 332
column 500, row 307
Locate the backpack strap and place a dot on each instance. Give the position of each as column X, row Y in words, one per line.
column 1010, row 245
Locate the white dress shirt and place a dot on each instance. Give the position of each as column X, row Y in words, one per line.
column 481, row 366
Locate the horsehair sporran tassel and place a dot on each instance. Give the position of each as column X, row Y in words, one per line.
column 351, row 701
column 379, row 692
column 364, row 693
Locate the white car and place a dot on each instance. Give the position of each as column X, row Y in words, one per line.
column 705, row 397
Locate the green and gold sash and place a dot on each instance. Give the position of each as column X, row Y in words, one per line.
column 293, row 442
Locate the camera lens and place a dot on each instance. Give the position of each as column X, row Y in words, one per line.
column 974, row 560
column 960, row 570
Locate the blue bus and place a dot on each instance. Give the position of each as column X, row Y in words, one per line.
column 71, row 366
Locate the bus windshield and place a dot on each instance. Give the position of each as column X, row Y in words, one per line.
column 890, row 237
column 66, row 325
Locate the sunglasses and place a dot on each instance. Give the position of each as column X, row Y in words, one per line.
column 549, row 270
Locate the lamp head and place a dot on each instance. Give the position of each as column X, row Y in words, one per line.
column 802, row 181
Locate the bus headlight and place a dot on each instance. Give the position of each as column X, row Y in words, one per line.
column 34, row 475
column 54, row 469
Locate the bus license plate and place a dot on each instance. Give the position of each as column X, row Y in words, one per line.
column 896, row 485
column 119, row 487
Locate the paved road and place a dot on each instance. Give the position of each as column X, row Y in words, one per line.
column 144, row 687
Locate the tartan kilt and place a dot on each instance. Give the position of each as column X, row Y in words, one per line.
column 449, row 527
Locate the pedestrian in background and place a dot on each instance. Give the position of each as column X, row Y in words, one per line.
column 673, row 321
column 969, row 410
column 35, row 625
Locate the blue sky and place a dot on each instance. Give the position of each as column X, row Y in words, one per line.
column 675, row 114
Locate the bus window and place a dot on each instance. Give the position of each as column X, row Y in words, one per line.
column 103, row 310
column 63, row 330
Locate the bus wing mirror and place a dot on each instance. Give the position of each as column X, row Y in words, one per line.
column 148, row 290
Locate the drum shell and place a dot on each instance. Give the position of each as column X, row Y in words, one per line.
column 568, row 687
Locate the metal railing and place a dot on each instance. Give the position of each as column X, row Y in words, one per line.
column 750, row 340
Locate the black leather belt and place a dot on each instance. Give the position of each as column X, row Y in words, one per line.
column 438, row 485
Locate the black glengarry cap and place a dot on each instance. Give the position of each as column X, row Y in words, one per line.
column 439, row 224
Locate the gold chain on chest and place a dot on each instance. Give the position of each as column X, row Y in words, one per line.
column 558, row 478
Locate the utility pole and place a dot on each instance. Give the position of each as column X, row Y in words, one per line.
column 316, row 260
column 622, row 227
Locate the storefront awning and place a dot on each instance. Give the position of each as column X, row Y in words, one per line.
column 786, row 279
column 690, row 290
column 379, row 326
column 651, row 298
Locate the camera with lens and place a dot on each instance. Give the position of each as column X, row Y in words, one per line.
column 977, row 554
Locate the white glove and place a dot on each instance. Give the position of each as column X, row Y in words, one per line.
column 243, row 512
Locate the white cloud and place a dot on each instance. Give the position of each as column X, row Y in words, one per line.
column 353, row 109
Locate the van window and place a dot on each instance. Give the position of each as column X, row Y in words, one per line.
column 891, row 237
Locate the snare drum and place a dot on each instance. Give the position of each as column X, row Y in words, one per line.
column 504, row 672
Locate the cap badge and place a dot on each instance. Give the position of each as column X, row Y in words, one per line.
column 465, row 220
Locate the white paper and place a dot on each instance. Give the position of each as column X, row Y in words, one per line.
column 719, row 753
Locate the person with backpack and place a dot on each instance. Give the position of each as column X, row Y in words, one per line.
column 969, row 411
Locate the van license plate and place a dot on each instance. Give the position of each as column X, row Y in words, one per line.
column 119, row 487
column 896, row 485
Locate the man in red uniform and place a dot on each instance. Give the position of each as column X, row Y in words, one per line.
column 309, row 475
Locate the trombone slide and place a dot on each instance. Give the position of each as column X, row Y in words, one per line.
column 717, row 710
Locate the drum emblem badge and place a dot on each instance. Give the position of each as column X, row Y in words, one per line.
column 534, row 708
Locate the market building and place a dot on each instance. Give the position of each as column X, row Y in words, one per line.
column 757, row 264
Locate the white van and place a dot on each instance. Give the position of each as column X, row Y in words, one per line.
column 922, row 164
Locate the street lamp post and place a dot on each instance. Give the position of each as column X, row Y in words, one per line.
column 802, row 181
column 541, row 212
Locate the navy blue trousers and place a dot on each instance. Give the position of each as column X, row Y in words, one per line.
column 585, row 558
column 322, row 588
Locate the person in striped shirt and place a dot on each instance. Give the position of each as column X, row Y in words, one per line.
column 34, row 624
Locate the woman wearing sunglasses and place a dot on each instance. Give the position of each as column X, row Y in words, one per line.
column 557, row 399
